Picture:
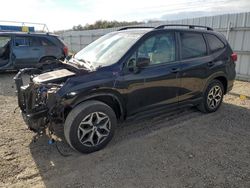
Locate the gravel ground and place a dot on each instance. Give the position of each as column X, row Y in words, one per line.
column 184, row 148
column 242, row 88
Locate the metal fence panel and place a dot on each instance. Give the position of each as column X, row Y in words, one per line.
column 246, row 41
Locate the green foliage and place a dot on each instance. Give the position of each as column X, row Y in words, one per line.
column 102, row 24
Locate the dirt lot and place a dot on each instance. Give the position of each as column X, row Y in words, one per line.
column 181, row 149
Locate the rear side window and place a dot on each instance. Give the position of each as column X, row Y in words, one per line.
column 214, row 42
column 29, row 41
column 34, row 41
column 22, row 41
column 192, row 45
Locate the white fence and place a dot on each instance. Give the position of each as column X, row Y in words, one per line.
column 236, row 27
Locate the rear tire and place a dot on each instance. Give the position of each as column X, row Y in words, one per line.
column 48, row 64
column 212, row 98
column 90, row 126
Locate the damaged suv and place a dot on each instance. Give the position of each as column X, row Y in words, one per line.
column 129, row 72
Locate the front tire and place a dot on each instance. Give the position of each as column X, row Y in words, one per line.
column 90, row 126
column 212, row 98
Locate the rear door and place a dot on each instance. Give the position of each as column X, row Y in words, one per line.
column 26, row 51
column 49, row 48
column 195, row 63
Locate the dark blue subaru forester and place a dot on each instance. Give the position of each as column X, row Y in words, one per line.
column 125, row 73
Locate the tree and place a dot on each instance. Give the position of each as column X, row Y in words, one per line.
column 102, row 24
column 78, row 27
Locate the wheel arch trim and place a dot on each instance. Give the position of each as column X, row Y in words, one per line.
column 43, row 57
column 102, row 94
column 214, row 76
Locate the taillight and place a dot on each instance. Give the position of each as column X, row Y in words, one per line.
column 234, row 56
column 65, row 50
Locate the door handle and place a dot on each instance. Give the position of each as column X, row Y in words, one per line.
column 35, row 49
column 175, row 70
column 211, row 63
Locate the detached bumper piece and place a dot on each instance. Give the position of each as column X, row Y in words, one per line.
column 37, row 115
column 36, row 121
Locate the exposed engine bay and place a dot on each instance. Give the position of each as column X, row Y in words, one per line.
column 52, row 76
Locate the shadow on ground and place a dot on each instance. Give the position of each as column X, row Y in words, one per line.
column 7, row 86
column 181, row 149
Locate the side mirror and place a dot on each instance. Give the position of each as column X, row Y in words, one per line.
column 135, row 67
column 142, row 62
column 68, row 57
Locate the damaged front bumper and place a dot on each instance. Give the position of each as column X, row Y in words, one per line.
column 38, row 102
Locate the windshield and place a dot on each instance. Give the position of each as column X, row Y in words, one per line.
column 108, row 49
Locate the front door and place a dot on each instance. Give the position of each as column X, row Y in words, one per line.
column 5, row 50
column 153, row 76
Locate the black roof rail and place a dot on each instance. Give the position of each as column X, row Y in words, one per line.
column 183, row 25
column 43, row 33
column 134, row 27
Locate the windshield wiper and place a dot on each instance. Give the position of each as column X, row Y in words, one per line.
column 86, row 64
column 81, row 64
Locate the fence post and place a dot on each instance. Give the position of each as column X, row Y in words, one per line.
column 92, row 36
column 70, row 42
column 80, row 42
column 228, row 30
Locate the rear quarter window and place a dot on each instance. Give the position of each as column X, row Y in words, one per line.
column 60, row 41
column 215, row 44
column 192, row 45
column 46, row 42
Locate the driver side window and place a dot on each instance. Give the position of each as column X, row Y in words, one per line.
column 157, row 49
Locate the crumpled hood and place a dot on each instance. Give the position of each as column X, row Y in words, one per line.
column 53, row 76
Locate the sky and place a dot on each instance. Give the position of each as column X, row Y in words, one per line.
column 64, row 14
